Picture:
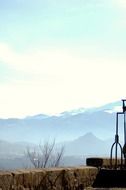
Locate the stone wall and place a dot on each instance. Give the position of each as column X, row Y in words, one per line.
column 76, row 178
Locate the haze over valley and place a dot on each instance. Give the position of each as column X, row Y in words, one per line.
column 83, row 132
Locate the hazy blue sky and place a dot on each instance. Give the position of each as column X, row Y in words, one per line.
column 57, row 55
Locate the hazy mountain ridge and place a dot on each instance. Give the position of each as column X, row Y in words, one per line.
column 63, row 127
column 88, row 144
column 13, row 155
column 83, row 132
column 77, row 146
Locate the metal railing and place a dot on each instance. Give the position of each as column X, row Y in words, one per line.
column 117, row 144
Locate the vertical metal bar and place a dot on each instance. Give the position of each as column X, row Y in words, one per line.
column 116, row 141
column 125, row 127
column 116, row 123
column 124, row 147
column 121, row 156
column 116, row 144
column 111, row 164
column 125, row 137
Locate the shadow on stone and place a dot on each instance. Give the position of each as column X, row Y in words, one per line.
column 107, row 178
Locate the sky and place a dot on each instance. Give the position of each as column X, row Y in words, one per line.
column 58, row 55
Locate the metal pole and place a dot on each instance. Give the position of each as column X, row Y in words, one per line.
column 116, row 143
column 125, row 127
column 124, row 147
column 116, row 140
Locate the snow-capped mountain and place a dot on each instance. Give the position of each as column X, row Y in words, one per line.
column 110, row 108
column 38, row 116
column 84, row 132
column 65, row 126
column 72, row 112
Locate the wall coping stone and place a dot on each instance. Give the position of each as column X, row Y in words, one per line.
column 48, row 179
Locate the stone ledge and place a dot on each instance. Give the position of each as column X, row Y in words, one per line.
column 48, row 179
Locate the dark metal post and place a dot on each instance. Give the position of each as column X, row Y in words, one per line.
column 116, row 140
column 124, row 147
column 116, row 144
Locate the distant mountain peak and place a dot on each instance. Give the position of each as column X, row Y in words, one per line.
column 72, row 112
column 110, row 108
column 38, row 116
column 88, row 135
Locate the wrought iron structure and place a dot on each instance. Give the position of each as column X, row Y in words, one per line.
column 124, row 147
column 116, row 143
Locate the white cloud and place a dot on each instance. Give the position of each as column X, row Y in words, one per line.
column 39, row 61
column 61, row 80
column 120, row 3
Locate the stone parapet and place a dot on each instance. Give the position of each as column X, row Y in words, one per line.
column 73, row 178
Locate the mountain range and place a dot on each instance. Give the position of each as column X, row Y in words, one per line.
column 14, row 155
column 66, row 126
column 83, row 132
